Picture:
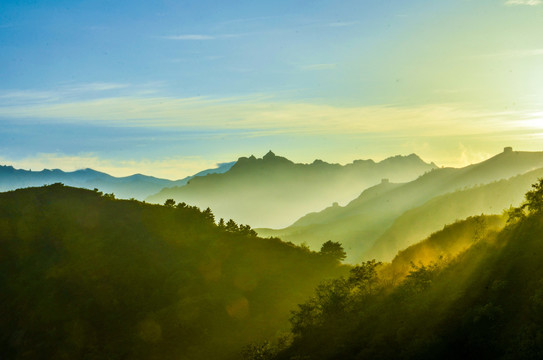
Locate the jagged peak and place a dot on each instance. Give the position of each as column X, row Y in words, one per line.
column 243, row 160
column 269, row 155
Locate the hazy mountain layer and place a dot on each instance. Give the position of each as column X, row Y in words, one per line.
column 364, row 220
column 86, row 276
column 274, row 191
column 419, row 222
column 136, row 186
column 485, row 301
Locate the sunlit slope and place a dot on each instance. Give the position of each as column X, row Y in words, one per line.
column 135, row 186
column 419, row 222
column 274, row 191
column 86, row 276
column 445, row 244
column 359, row 224
column 485, row 303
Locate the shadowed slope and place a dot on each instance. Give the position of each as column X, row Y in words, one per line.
column 86, row 276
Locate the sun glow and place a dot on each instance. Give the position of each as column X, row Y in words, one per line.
column 535, row 123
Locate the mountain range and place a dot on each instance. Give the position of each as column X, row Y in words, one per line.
column 136, row 186
column 85, row 275
column 363, row 224
column 273, row 191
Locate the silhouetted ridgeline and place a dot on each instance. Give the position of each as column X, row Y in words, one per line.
column 135, row 186
column 85, row 276
column 273, row 191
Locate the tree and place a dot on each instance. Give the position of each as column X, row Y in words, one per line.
column 109, row 196
column 364, row 276
column 261, row 351
column 514, row 214
column 480, row 228
column 231, row 226
column 333, row 250
column 534, row 198
column 420, row 277
column 208, row 214
column 246, row 230
column 169, row 203
column 533, row 202
column 182, row 205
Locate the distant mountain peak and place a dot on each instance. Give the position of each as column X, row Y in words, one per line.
column 269, row 155
column 411, row 158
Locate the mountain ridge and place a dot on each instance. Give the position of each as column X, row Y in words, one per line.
column 133, row 186
column 361, row 222
column 275, row 191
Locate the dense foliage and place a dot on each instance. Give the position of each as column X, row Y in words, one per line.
column 484, row 303
column 83, row 275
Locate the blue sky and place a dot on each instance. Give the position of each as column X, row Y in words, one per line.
column 171, row 87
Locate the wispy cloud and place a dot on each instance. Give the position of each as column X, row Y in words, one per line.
column 523, row 2
column 95, row 86
column 262, row 114
column 74, row 91
column 195, row 58
column 343, row 23
column 315, row 67
column 200, row 37
column 256, row 19
column 189, row 37
column 29, row 95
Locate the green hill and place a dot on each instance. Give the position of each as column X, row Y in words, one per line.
column 83, row 275
column 364, row 220
column 273, row 191
column 443, row 245
column 485, row 302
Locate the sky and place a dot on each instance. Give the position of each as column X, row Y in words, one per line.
column 169, row 88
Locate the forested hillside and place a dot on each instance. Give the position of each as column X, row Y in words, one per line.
column 83, row 275
column 483, row 300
